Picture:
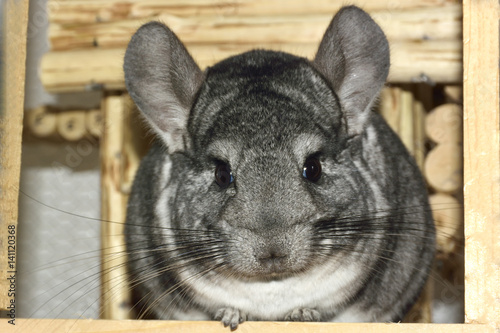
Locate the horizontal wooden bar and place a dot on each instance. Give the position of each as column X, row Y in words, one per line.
column 90, row 11
column 157, row 326
column 438, row 61
column 413, row 24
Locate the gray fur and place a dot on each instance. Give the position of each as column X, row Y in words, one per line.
column 354, row 246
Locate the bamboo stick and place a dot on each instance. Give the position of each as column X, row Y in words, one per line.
column 83, row 69
column 419, row 133
column 405, row 116
column 12, row 70
column 399, row 25
column 89, row 11
column 115, row 294
column 482, row 162
column 406, row 132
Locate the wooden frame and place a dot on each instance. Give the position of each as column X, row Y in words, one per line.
column 481, row 190
column 12, row 70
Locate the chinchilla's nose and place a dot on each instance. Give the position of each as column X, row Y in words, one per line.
column 273, row 259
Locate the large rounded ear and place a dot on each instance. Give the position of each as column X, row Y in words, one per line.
column 354, row 58
column 162, row 79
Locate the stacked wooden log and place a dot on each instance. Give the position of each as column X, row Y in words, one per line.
column 73, row 125
column 443, row 170
column 88, row 38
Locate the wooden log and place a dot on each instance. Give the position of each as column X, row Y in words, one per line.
column 84, row 69
column 12, row 71
column 454, row 94
column 115, row 294
column 418, row 24
column 71, row 125
column 444, row 124
column 90, row 11
column 448, row 218
column 156, row 326
column 94, row 122
column 40, row 122
column 482, row 162
column 443, row 167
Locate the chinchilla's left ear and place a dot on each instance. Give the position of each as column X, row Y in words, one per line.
column 162, row 79
column 354, row 58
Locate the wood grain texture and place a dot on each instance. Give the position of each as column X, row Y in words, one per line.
column 79, row 70
column 482, row 162
column 414, row 24
column 15, row 20
column 90, row 11
column 159, row 326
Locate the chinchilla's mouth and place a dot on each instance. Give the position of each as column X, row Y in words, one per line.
column 269, row 269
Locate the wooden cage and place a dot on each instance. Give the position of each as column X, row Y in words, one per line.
column 431, row 41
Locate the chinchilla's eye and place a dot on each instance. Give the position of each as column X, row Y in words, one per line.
column 312, row 169
column 223, row 175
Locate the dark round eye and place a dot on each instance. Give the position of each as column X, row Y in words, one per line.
column 223, row 175
column 312, row 169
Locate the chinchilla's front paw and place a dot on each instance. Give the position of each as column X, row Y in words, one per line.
column 230, row 317
column 303, row 314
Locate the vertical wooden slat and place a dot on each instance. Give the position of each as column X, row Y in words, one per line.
column 481, row 161
column 12, row 69
column 114, row 286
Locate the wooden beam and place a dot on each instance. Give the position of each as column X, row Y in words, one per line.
column 482, row 161
column 79, row 70
column 12, row 69
column 411, row 24
column 90, row 11
column 157, row 326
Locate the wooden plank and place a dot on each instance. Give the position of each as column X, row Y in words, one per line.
column 411, row 24
column 90, row 11
column 12, row 70
column 482, row 162
column 159, row 326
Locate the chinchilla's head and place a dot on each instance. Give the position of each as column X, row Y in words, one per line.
column 260, row 143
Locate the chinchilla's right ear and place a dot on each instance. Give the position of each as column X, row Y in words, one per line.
column 162, row 79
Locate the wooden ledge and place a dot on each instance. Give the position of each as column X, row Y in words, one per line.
column 153, row 326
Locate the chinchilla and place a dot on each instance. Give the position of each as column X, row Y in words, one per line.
column 273, row 192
